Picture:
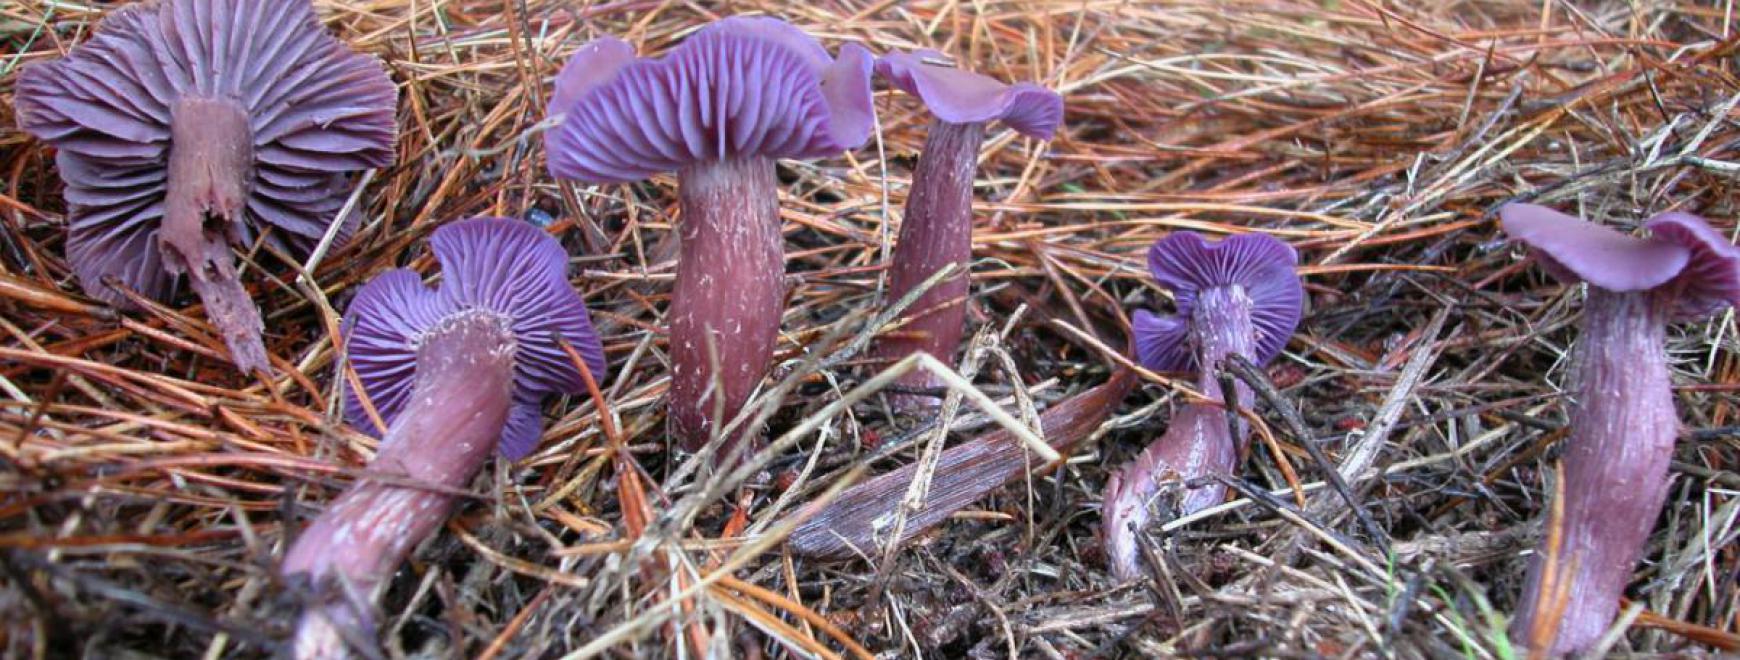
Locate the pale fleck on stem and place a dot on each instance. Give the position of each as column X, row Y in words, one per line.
column 453, row 421
column 728, row 294
column 1615, row 468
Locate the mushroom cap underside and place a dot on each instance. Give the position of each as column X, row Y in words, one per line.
column 502, row 266
column 1186, row 263
column 738, row 88
column 314, row 110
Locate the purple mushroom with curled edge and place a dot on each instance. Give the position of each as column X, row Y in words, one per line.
column 1241, row 297
column 938, row 228
column 1622, row 423
column 718, row 110
column 455, row 372
column 187, row 127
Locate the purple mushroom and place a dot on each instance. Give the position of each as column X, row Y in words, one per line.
column 1236, row 297
column 455, row 372
column 186, row 127
column 718, row 110
column 938, row 228
column 1622, row 426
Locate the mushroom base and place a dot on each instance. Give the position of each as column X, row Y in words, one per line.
column 725, row 309
column 937, row 232
column 458, row 405
column 1195, row 446
column 1614, row 474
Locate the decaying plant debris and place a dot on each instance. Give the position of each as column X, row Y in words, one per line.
column 147, row 489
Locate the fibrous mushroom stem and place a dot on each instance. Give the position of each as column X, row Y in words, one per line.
column 1198, row 442
column 1221, row 325
column 937, row 232
column 210, row 172
column 459, row 401
column 1614, row 475
column 729, row 289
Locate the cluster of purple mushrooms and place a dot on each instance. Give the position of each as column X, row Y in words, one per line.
column 188, row 130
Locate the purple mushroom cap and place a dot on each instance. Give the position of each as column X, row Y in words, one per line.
column 964, row 97
column 1711, row 278
column 1682, row 251
column 1186, row 263
column 740, row 87
column 1577, row 251
column 313, row 109
column 502, row 266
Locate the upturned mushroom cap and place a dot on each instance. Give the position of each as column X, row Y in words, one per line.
column 1186, row 264
column 1711, row 279
column 740, row 87
column 493, row 265
column 1682, row 255
column 309, row 109
column 964, row 97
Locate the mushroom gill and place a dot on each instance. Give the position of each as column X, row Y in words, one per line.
column 186, row 128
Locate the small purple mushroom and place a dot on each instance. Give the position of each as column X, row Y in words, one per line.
column 718, row 110
column 185, row 127
column 1623, row 425
column 938, row 228
column 1236, row 297
column 455, row 372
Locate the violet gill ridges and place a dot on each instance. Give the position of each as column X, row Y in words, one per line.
column 186, row 128
column 718, row 110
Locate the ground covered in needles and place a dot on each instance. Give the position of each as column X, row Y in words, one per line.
column 147, row 489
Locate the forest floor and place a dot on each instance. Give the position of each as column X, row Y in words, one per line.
column 147, row 488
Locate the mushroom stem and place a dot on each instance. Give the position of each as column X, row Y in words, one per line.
column 232, row 311
column 1197, row 443
column 1615, row 474
column 725, row 309
column 458, row 404
column 210, row 170
column 937, row 232
column 1221, row 323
